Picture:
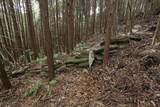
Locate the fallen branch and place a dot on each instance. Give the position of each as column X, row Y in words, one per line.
column 19, row 72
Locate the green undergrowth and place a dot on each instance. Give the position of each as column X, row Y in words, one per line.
column 43, row 58
column 86, row 71
column 80, row 47
column 1, row 100
column 33, row 91
column 52, row 83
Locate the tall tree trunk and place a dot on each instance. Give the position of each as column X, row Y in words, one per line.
column 3, row 76
column 66, row 27
column 48, row 39
column 16, row 28
column 57, row 26
column 101, row 17
column 130, row 17
column 109, row 29
column 70, row 24
column 9, row 29
column 94, row 16
column 31, row 29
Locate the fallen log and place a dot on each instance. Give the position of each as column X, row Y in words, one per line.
column 121, row 40
column 117, row 41
column 44, row 68
column 83, row 65
column 112, row 48
column 76, row 61
column 82, row 55
column 83, row 60
column 99, row 58
column 135, row 39
column 17, row 73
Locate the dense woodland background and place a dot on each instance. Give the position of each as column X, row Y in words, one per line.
column 31, row 30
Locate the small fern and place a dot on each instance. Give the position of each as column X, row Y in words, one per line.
column 86, row 71
column 34, row 90
column 1, row 100
column 51, row 84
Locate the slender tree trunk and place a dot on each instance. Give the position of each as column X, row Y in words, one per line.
column 101, row 18
column 16, row 28
column 130, row 17
column 3, row 76
column 9, row 26
column 70, row 24
column 31, row 29
column 156, row 37
column 57, row 26
column 108, row 34
column 94, row 15
column 63, row 26
column 48, row 38
column 66, row 27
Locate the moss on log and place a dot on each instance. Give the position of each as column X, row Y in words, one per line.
column 135, row 39
column 121, row 40
column 99, row 58
column 112, row 47
column 83, row 60
column 82, row 55
column 116, row 44
column 76, row 61
column 83, row 65
column 19, row 72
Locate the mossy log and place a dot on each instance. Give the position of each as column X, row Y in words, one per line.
column 19, row 72
column 151, row 52
column 83, row 54
column 83, row 65
column 76, row 61
column 135, row 39
column 116, row 44
column 121, row 40
column 83, row 60
column 112, row 48
column 99, row 58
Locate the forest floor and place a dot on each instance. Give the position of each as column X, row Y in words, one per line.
column 129, row 81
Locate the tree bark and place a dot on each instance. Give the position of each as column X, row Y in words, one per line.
column 70, row 24
column 108, row 35
column 3, row 76
column 156, row 37
column 31, row 29
column 94, row 15
column 16, row 28
column 48, row 38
